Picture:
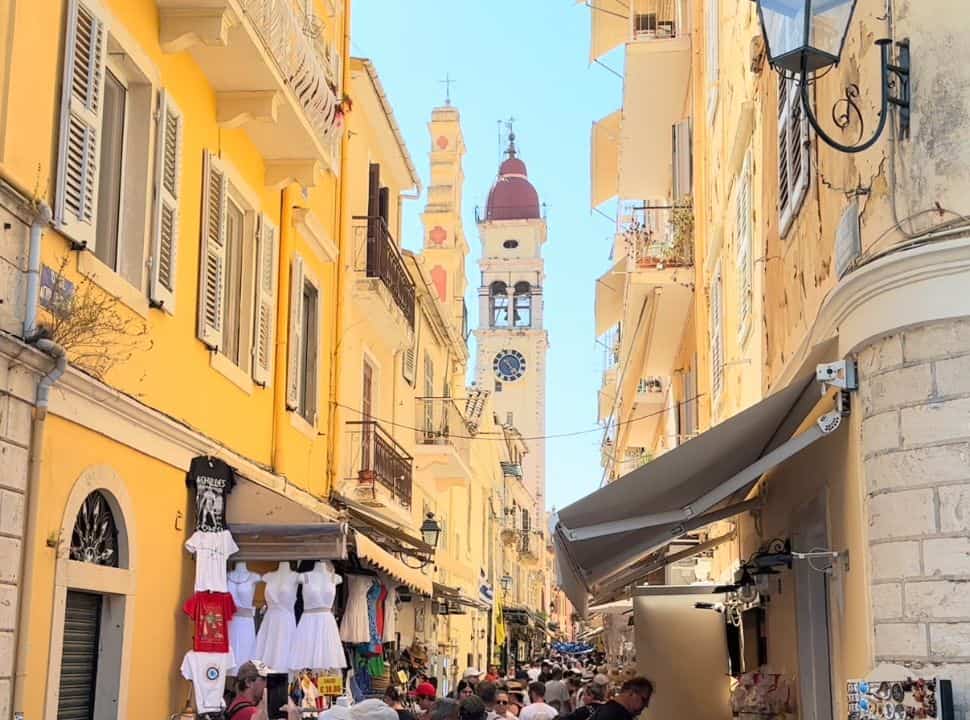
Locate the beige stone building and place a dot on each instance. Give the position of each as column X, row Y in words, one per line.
column 749, row 251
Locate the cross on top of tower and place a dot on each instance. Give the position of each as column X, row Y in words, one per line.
column 447, row 82
column 510, row 151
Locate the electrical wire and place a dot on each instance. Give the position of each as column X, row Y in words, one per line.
column 499, row 436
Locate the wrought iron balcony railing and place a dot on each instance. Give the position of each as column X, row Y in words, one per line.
column 309, row 66
column 441, row 422
column 656, row 19
column 378, row 460
column 379, row 257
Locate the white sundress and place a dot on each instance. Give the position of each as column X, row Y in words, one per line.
column 354, row 625
column 242, row 627
column 275, row 637
column 317, row 643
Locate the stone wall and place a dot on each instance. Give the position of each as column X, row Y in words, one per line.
column 16, row 385
column 915, row 396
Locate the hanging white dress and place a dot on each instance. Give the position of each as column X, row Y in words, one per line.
column 354, row 625
column 242, row 627
column 317, row 644
column 275, row 637
column 390, row 614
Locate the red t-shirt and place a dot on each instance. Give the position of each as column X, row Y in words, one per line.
column 211, row 612
column 247, row 713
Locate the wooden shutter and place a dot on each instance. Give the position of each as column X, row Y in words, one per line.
column 82, row 90
column 374, row 190
column 294, row 349
column 265, row 322
column 793, row 153
column 79, row 656
column 213, row 252
column 168, row 169
column 409, row 360
column 744, row 241
column 682, row 161
column 717, row 337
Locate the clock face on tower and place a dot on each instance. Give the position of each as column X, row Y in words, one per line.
column 509, row 365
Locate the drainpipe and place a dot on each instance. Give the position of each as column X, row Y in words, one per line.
column 35, row 455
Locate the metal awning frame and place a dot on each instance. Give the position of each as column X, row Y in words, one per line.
column 825, row 425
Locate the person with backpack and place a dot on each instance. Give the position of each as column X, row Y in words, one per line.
column 250, row 688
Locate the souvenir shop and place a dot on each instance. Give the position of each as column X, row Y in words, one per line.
column 313, row 599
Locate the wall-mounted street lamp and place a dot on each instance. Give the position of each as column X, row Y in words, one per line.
column 506, row 583
column 806, row 36
column 431, row 530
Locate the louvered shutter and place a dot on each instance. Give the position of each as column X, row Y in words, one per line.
column 294, row 349
column 410, row 359
column 168, row 171
column 213, row 252
column 268, row 262
column 717, row 337
column 793, row 152
column 76, row 201
column 744, row 232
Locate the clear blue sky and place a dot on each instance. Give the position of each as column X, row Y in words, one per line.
column 526, row 58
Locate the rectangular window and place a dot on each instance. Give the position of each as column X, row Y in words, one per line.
column 717, row 339
column 428, row 398
column 793, row 153
column 113, row 115
column 713, row 57
column 233, row 295
column 745, row 268
column 308, row 381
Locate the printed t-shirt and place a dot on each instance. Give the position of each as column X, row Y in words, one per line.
column 211, row 613
column 213, row 480
column 211, row 550
column 207, row 671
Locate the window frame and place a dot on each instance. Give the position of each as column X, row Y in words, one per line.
column 114, row 66
column 716, row 330
column 310, row 376
column 246, row 201
column 744, row 239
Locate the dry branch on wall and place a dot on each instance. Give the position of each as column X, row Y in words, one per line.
column 92, row 325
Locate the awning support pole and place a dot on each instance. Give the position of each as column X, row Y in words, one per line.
column 825, row 425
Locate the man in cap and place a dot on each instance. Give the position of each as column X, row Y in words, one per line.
column 425, row 693
column 250, row 686
column 472, row 676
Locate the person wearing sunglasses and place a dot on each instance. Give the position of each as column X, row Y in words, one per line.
column 503, row 706
column 633, row 699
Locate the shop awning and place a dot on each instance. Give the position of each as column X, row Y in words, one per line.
column 451, row 594
column 288, row 524
column 616, row 528
column 397, row 537
column 604, row 159
column 609, row 26
column 372, row 553
column 609, row 297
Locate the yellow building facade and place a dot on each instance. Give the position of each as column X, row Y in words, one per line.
column 803, row 368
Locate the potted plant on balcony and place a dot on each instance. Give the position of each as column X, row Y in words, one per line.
column 682, row 233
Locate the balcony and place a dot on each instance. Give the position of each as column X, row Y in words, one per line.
column 384, row 288
column 615, row 22
column 379, row 469
column 649, row 401
column 443, row 442
column 273, row 74
column 529, row 545
column 511, row 529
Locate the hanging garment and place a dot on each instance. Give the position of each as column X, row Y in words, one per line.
column 211, row 613
column 207, row 671
column 274, row 640
column 354, row 626
column 317, row 644
column 242, row 627
column 212, row 480
column 211, row 550
column 390, row 615
column 373, row 612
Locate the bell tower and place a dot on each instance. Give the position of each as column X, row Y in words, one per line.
column 512, row 342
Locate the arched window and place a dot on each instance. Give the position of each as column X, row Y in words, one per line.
column 95, row 535
column 523, row 304
column 499, row 304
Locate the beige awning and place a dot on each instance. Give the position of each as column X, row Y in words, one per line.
column 604, row 159
column 609, row 297
column 609, row 26
column 613, row 530
column 373, row 554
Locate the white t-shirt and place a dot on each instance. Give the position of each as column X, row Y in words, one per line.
column 207, row 671
column 538, row 711
column 211, row 550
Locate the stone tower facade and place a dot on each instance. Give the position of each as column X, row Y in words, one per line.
column 512, row 342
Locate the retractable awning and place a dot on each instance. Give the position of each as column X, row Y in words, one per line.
column 609, row 297
column 381, row 530
column 451, row 594
column 371, row 552
column 602, row 541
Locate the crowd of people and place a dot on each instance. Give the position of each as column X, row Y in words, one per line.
column 542, row 690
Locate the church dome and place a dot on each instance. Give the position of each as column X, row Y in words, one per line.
column 512, row 197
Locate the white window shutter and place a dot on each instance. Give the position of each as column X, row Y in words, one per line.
column 717, row 338
column 793, row 153
column 76, row 201
column 168, row 171
column 744, row 232
column 410, row 359
column 213, row 252
column 294, row 369
column 267, row 269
